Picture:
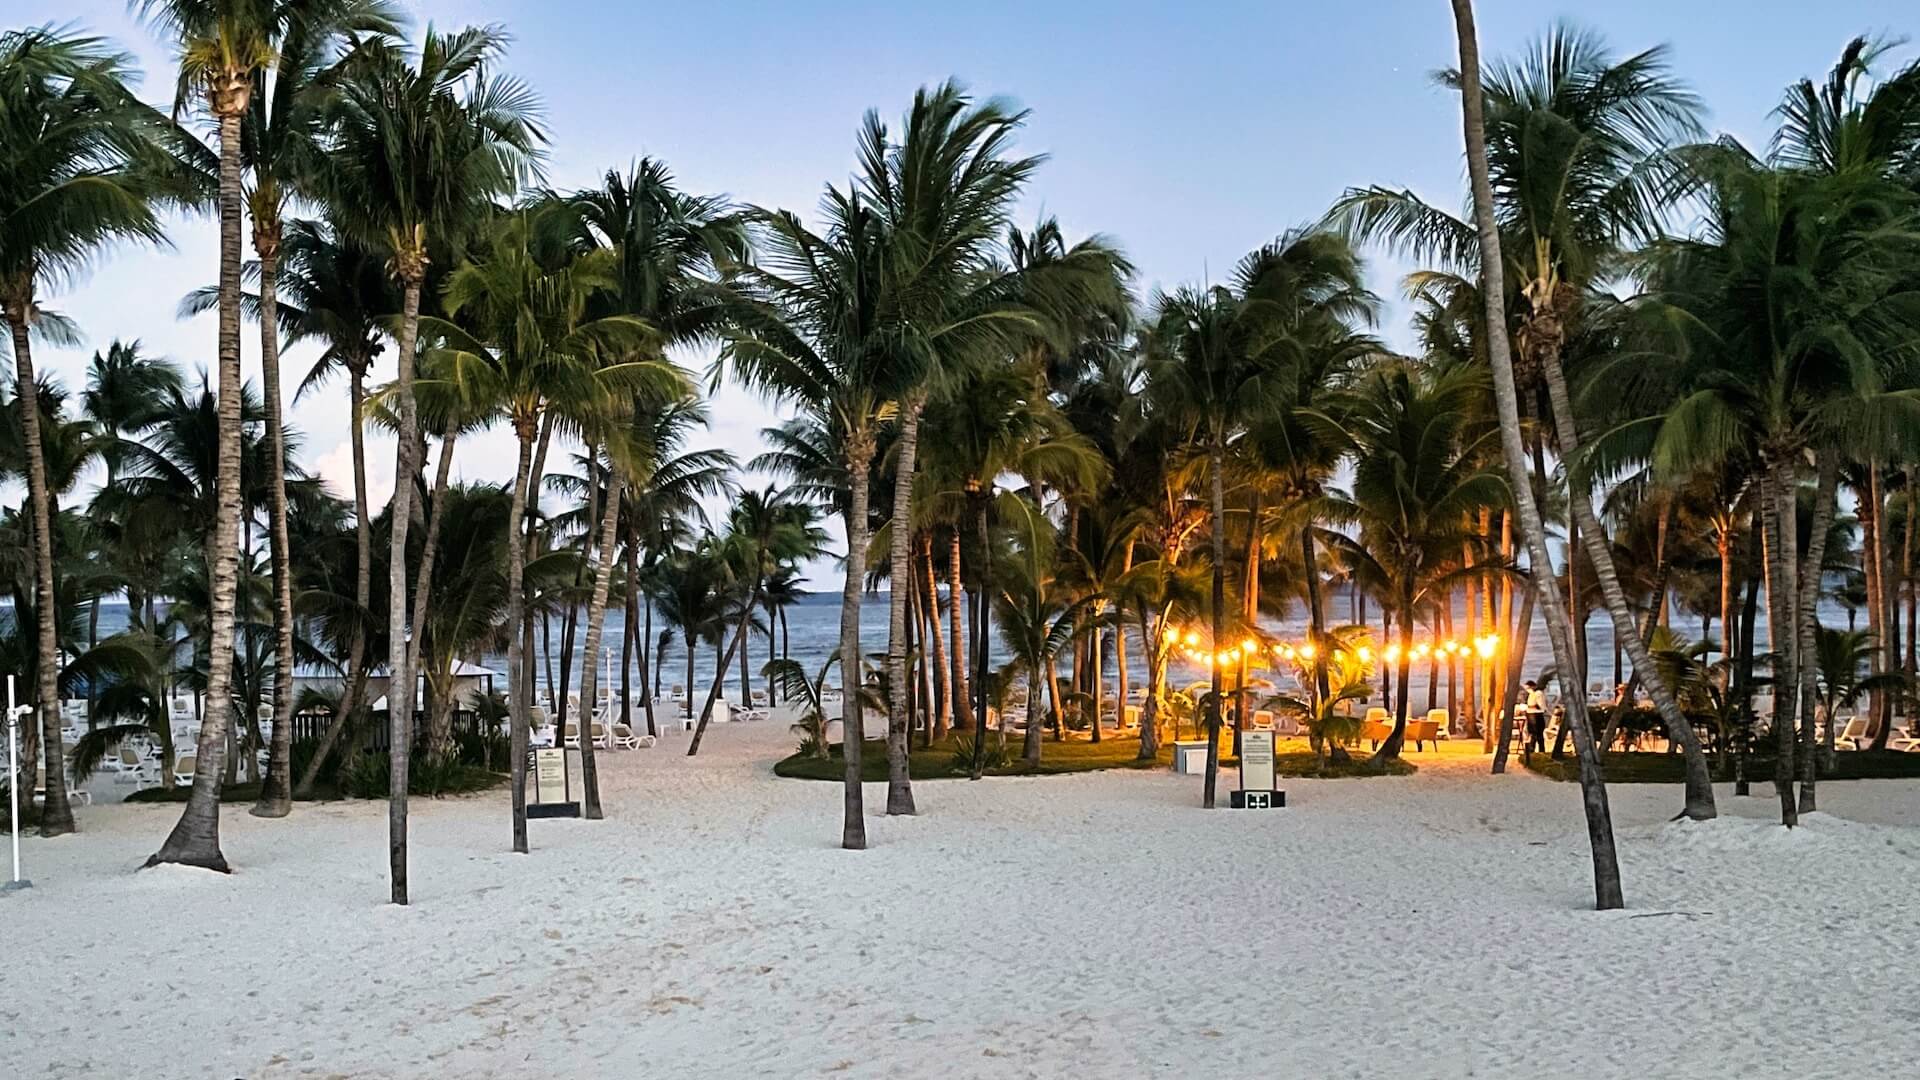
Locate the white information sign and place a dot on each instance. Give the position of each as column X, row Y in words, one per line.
column 550, row 775
column 1256, row 761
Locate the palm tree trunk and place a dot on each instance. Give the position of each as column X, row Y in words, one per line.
column 742, row 628
column 399, row 650
column 1398, row 736
column 276, row 787
column 629, row 631
column 1510, row 687
column 1608, row 893
column 362, row 583
column 1216, row 465
column 900, row 572
column 1827, row 469
column 978, row 504
column 649, row 690
column 519, row 670
column 956, row 633
column 195, row 839
column 1155, row 648
column 596, row 616
column 1699, row 804
column 943, row 688
column 439, row 721
column 1782, row 597
column 859, row 454
column 56, row 814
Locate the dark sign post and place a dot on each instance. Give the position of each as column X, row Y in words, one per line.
column 1257, row 790
column 552, row 785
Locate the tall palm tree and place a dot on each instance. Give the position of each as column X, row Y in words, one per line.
column 222, row 45
column 519, row 320
column 1576, row 139
column 280, row 150
column 1786, row 354
column 1606, row 864
column 807, row 328
column 417, row 149
column 83, row 173
column 334, row 292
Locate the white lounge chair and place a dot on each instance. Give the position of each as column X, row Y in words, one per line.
column 570, row 736
column 74, row 794
column 1263, row 720
column 623, row 737
column 1443, row 721
column 601, row 734
column 183, row 770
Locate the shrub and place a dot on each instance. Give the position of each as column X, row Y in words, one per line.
column 992, row 756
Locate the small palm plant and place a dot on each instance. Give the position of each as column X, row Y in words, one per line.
column 1329, row 726
column 790, row 680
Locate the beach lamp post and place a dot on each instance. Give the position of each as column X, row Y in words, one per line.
column 14, row 713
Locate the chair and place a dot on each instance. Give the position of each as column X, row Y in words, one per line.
column 1263, row 720
column 1854, row 735
column 1904, row 738
column 75, row 794
column 601, row 734
column 183, row 770
column 1132, row 717
column 623, row 737
column 131, row 767
column 1421, row 732
column 1287, row 724
column 1442, row 721
column 570, row 736
column 759, row 699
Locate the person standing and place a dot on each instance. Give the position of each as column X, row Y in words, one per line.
column 1536, row 717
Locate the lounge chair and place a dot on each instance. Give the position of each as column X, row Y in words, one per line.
column 75, row 794
column 1132, row 717
column 1854, row 735
column 1287, row 725
column 570, row 736
column 183, row 770
column 623, row 737
column 1441, row 718
column 1263, row 720
column 131, row 767
column 601, row 734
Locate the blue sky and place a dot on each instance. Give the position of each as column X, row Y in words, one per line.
column 1188, row 133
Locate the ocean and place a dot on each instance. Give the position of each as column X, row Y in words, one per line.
column 814, row 623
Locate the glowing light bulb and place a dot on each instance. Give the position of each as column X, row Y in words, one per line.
column 1486, row 644
column 1420, row 651
column 1365, row 653
column 1307, row 650
column 1193, row 638
column 1170, row 635
column 1393, row 654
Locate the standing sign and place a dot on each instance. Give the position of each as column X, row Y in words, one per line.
column 1257, row 791
column 552, row 786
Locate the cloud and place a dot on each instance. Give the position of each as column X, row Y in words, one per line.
column 335, row 468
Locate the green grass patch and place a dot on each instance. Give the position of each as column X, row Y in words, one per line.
column 938, row 762
column 1631, row 768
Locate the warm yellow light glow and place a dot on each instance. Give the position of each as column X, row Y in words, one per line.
column 1420, row 651
column 1365, row 652
column 1452, row 647
column 1170, row 635
column 1486, row 644
column 1393, row 654
column 1306, row 650
column 1193, row 638
column 1249, row 645
column 1224, row 659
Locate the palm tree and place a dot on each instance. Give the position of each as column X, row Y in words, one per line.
column 417, row 151
column 1787, row 351
column 84, row 171
column 1606, row 864
column 791, row 681
column 1418, row 482
column 335, row 291
column 1576, row 140
column 806, row 328
column 764, row 531
column 518, row 321
column 468, row 584
column 222, row 45
column 279, row 148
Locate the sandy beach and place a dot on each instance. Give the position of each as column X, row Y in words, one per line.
column 1433, row 926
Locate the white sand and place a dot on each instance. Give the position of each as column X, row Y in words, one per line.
column 1436, row 926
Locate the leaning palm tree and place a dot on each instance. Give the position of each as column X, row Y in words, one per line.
column 417, row 148
column 280, row 149
column 1606, row 863
column 82, row 173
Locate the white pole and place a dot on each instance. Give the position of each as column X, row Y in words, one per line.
column 13, row 779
